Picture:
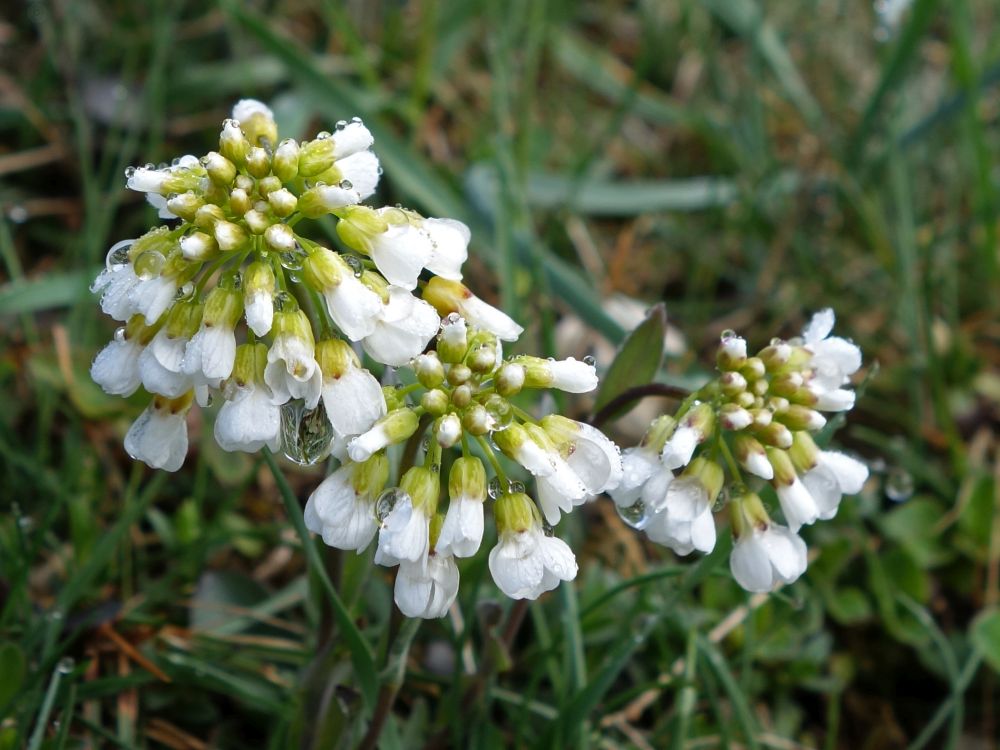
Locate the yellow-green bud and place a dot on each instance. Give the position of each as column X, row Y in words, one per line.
column 446, row 296
column 280, row 237
column 423, row 486
column 399, row 424
column 259, row 277
column 220, row 170
column 448, row 430
column 804, row 453
column 285, row 164
column 477, row 420
column 239, row 201
column 458, row 374
column 230, row 236
column 315, row 156
column 435, row 402
column 185, row 205
column 775, row 356
column 708, row 474
column 510, row 379
column 429, row 370
column 745, row 399
column 335, row 358
column 453, row 341
column 292, row 323
column 182, row 179
column 434, row 529
column 702, row 419
column 467, row 479
column 370, row 476
column 184, row 319
column 223, row 307
column 233, row 143
column 659, row 432
column 258, row 162
column 282, row 201
column 357, row 226
column 787, row 384
column 799, row 417
column 734, row 417
column 483, row 358
column 198, row 246
column 747, row 513
column 514, row 513
column 267, row 185
column 732, row 383
column 774, row 434
column 393, row 398
column 251, row 359
column 256, row 221
column 260, row 129
column 462, row 396
column 208, row 216
column 753, row 369
column 324, row 269
column 784, row 470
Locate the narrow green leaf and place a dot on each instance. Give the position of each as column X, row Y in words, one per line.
column 638, row 359
column 13, row 667
column 45, row 293
column 985, row 636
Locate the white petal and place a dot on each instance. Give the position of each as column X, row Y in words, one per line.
column 703, row 534
column 758, row 465
column 362, row 171
column 396, row 341
column 259, row 312
column 350, row 139
column 462, row 530
column 413, row 589
column 244, row 109
column 158, row 379
column 686, row 499
column 750, row 565
column 248, row 421
column 819, row 327
column 158, row 439
column 367, row 444
column 486, row 316
column 116, row 367
column 797, row 504
column 677, row 451
column 786, row 551
column 450, row 243
column 354, row 401
column 354, row 308
column 596, row 460
column 573, row 376
column 515, row 564
column 400, row 253
column 851, row 474
column 836, row 400
column 638, row 465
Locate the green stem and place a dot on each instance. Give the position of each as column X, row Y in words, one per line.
column 492, row 458
column 392, row 680
column 727, row 454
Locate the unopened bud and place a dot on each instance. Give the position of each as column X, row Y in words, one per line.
column 282, row 201
column 285, row 164
column 185, row 205
column 732, row 383
column 477, row 420
column 256, row 221
column 230, row 236
column 198, row 246
column 732, row 352
column 458, row 374
column 429, row 370
column 335, row 358
column 423, row 486
column 220, row 170
column 804, row 453
column 208, row 216
column 453, row 342
column 753, row 369
column 784, row 471
column 258, row 162
column 510, row 379
column 752, row 456
column 448, row 430
column 280, row 237
column 239, row 201
column 775, row 434
column 435, row 402
column 461, row 396
column 467, row 479
column 733, row 417
column 232, row 143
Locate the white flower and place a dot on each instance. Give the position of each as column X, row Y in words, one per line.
column 292, row 371
column 354, row 401
column 426, row 591
column 151, row 297
column 159, row 202
column 764, row 557
column 404, row 535
column 449, row 247
column 834, row 359
column 834, row 475
column 361, row 171
column 244, row 109
column 680, row 447
column 158, row 437
column 797, row 504
column 403, row 328
column 526, row 564
column 259, row 308
column 160, row 365
column 570, row 375
column 640, row 466
column 116, row 366
column 683, row 536
column 353, row 306
column 344, row 516
column 401, row 251
column 147, row 180
column 115, row 284
column 485, row 316
column 211, row 353
column 462, row 530
column 249, row 419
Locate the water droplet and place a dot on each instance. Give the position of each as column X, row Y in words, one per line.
column 341, row 124
column 129, row 173
column 425, row 443
column 722, row 500
column 379, row 171
column 150, row 165
column 230, row 123
column 635, row 516
column 451, row 319
column 118, row 254
column 356, row 120
column 777, row 341
column 515, row 486
column 175, row 161
column 120, row 334
column 292, row 261
column 66, row 665
column 494, row 488
column 346, row 185
column 590, row 360
column 184, row 292
column 727, row 334
column 294, row 277
column 149, row 264
column 306, row 434
column 547, row 529
column 899, row 485
column 387, row 501
column 17, row 214
column 282, row 300
column 500, row 411
column 323, row 135
column 356, row 264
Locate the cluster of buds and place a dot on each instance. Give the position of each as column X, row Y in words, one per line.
column 230, row 302
column 752, row 423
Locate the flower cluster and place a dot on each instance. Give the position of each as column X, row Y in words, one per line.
column 230, row 301
column 755, row 418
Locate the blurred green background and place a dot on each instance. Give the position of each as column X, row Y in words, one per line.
column 744, row 161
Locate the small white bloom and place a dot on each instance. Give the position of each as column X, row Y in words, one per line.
column 401, row 252
column 361, row 170
column 462, row 530
column 679, row 449
column 683, row 536
column 354, row 401
column 248, row 420
column 292, row 372
column 353, row 306
column 158, row 437
column 450, row 247
column 343, row 516
column 797, row 504
column 160, row 365
column 259, row 306
column 151, row 297
column 485, row 316
column 572, row 375
column 368, row 443
column 404, row 535
column 834, row 359
column 764, row 557
column 403, row 328
column 115, row 285
column 211, row 353
column 834, row 475
column 426, row 591
column 116, row 366
column 525, row 564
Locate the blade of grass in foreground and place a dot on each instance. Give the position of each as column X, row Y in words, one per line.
column 361, row 654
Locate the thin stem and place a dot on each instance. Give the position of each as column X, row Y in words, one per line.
column 392, row 680
column 636, row 394
column 492, row 458
column 727, row 454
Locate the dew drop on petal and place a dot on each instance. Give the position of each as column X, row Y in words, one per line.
column 899, row 485
column 129, row 173
column 727, row 334
column 590, row 360
column 184, row 292
column 356, row 264
column 547, row 529
column 118, row 254
column 356, row 120
column 346, row 185
column 306, row 434
column 341, row 124
column 282, row 300
column 387, row 501
column 636, row 516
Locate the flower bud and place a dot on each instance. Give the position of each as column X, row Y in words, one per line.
column 198, row 246
column 315, row 156
column 745, row 399
column 256, row 221
column 358, row 225
column 429, row 370
column 732, row 383
column 752, row 456
column 659, row 432
column 733, row 417
column 323, row 269
column 185, row 205
column 787, row 384
column 477, row 420
column 784, row 470
column 775, row 434
column 753, row 369
column 223, row 307
column 467, row 479
column 423, row 487
column 747, row 513
column 458, row 374
column 803, row 453
column 394, row 427
column 230, row 236
column 798, row 417
column 568, row 375
column 282, row 201
column 232, row 143
column 776, row 355
column 453, row 341
column 184, row 319
column 762, row 417
column 268, row 185
column 280, row 237
column 260, row 127
column 483, row 358
column 732, row 352
column 510, row 379
column 208, row 216
column 370, row 476
column 335, row 358
column 448, row 430
column 435, row 402
column 515, row 513
column 239, row 201
column 258, row 162
column 220, row 170
column 249, row 364
column 462, row 396
column 285, row 164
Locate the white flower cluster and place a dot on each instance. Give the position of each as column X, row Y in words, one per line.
column 755, row 418
column 230, row 301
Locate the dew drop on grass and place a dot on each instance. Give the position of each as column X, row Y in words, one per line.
column 899, row 485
